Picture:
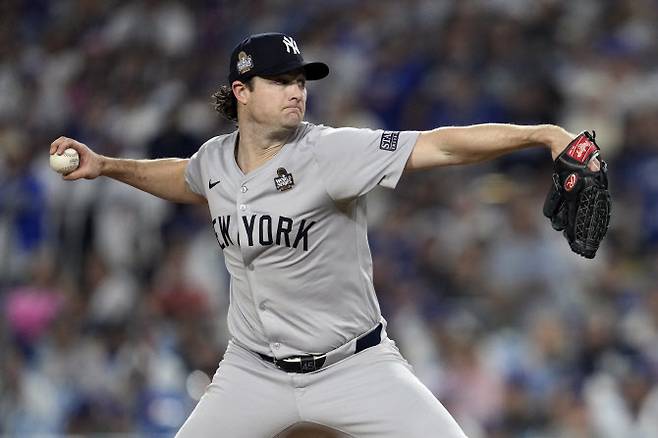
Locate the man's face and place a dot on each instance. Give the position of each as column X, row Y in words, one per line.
column 278, row 101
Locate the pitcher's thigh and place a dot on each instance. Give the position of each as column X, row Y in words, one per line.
column 375, row 394
column 241, row 402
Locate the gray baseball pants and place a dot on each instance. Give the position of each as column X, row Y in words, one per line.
column 370, row 394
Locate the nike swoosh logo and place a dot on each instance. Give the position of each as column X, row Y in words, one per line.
column 212, row 184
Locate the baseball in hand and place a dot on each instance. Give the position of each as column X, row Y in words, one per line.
column 65, row 163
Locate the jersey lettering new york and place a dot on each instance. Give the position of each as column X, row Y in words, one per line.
column 264, row 230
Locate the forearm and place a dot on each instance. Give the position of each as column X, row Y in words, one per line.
column 164, row 178
column 484, row 142
column 476, row 143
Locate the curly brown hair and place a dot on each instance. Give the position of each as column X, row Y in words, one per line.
column 225, row 102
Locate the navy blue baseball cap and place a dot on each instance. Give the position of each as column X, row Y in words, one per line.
column 270, row 54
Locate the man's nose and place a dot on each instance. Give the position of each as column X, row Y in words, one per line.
column 295, row 91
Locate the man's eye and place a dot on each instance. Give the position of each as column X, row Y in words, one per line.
column 301, row 82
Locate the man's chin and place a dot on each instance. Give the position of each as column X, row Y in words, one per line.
column 292, row 121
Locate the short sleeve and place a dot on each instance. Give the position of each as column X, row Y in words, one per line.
column 193, row 174
column 353, row 161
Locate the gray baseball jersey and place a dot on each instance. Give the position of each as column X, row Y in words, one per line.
column 294, row 234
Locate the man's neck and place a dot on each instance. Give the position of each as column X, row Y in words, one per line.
column 257, row 145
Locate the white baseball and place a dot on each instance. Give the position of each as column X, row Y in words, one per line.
column 65, row 163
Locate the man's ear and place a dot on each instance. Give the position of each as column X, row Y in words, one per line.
column 240, row 91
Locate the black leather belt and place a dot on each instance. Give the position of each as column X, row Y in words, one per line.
column 310, row 363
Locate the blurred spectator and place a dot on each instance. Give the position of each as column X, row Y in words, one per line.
column 31, row 308
column 173, row 141
column 622, row 398
column 22, row 207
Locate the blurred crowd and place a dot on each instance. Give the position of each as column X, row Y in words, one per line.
column 113, row 302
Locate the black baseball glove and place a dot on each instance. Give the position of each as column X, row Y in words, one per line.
column 578, row 202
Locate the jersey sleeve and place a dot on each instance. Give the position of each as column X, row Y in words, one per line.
column 352, row 161
column 194, row 172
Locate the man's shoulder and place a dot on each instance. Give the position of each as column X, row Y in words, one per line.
column 328, row 135
column 218, row 142
column 313, row 133
column 329, row 130
column 306, row 128
column 222, row 140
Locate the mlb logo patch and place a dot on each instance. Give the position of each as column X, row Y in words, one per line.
column 244, row 63
column 284, row 180
column 389, row 141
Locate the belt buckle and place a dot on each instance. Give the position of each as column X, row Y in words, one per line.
column 305, row 364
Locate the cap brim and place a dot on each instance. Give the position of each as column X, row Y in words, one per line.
column 316, row 70
column 312, row 70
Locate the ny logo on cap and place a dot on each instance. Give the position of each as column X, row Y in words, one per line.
column 291, row 45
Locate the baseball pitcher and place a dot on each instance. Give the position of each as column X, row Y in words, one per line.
column 287, row 202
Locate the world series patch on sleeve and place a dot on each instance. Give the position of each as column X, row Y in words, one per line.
column 578, row 202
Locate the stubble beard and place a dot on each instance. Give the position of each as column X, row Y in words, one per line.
column 291, row 120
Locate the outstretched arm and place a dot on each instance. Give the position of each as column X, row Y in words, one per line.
column 476, row 143
column 164, row 178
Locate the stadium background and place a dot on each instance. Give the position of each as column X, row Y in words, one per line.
column 112, row 303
